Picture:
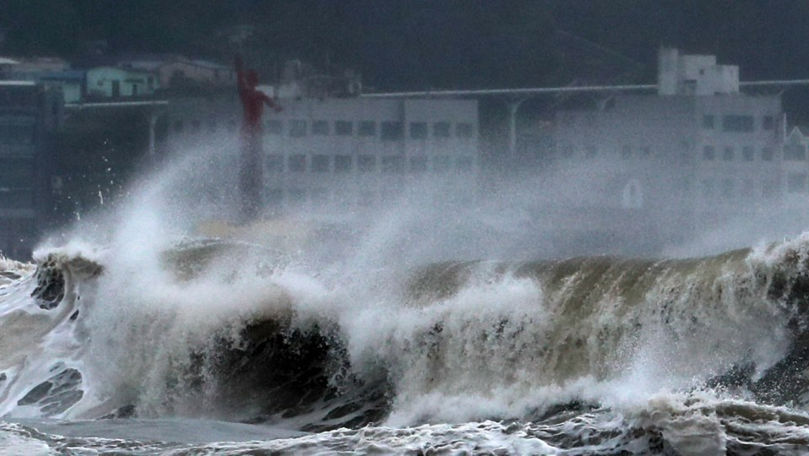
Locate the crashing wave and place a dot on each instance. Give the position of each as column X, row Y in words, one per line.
column 238, row 332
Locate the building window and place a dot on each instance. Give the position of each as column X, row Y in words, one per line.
column 727, row 188
column 297, row 128
column 441, row 130
column 320, row 127
column 441, row 164
column 768, row 123
column 767, row 153
column 16, row 135
column 747, row 153
column 274, row 197
column 367, row 128
column 737, row 123
column 17, row 174
column 708, row 153
column 342, row 163
column 274, row 127
column 366, row 163
column 296, row 195
column 794, row 152
column 707, row 122
column 274, row 163
column 296, row 163
column 392, row 131
column 17, row 199
column 418, row 164
column 769, row 188
column 728, row 154
column 464, row 164
column 464, row 130
column 393, row 164
column 707, row 188
column 590, row 151
column 567, row 151
column 344, row 127
column 319, row 196
column 178, row 126
column 418, row 130
column 626, row 152
column 320, row 163
column 796, row 183
column 748, row 188
column 366, row 198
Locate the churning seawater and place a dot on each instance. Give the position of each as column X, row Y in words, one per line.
column 224, row 347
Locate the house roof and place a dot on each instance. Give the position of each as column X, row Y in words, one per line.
column 63, row 75
column 198, row 62
column 17, row 83
column 123, row 70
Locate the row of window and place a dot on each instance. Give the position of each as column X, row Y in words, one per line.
column 276, row 197
column 386, row 130
column 796, row 183
column 16, row 174
column 709, row 152
column 627, row 152
column 22, row 198
column 737, row 123
column 322, row 163
column 729, row 188
column 16, row 135
column 18, row 97
column 748, row 153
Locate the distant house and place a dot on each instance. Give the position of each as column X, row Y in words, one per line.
column 112, row 82
column 52, row 72
column 71, row 83
column 184, row 73
column 178, row 72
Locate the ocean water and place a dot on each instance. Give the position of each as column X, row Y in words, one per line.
column 227, row 347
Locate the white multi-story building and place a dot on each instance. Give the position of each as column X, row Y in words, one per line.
column 690, row 157
column 345, row 152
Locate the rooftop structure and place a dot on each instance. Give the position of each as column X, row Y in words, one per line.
column 680, row 74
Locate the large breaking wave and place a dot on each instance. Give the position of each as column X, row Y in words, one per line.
column 237, row 332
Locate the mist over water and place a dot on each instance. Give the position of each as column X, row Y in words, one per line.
column 447, row 318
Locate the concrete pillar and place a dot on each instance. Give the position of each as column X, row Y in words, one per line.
column 153, row 115
column 513, row 106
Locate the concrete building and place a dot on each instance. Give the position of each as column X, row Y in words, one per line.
column 695, row 155
column 343, row 152
column 177, row 72
column 196, row 73
column 112, row 82
column 30, row 114
column 70, row 82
